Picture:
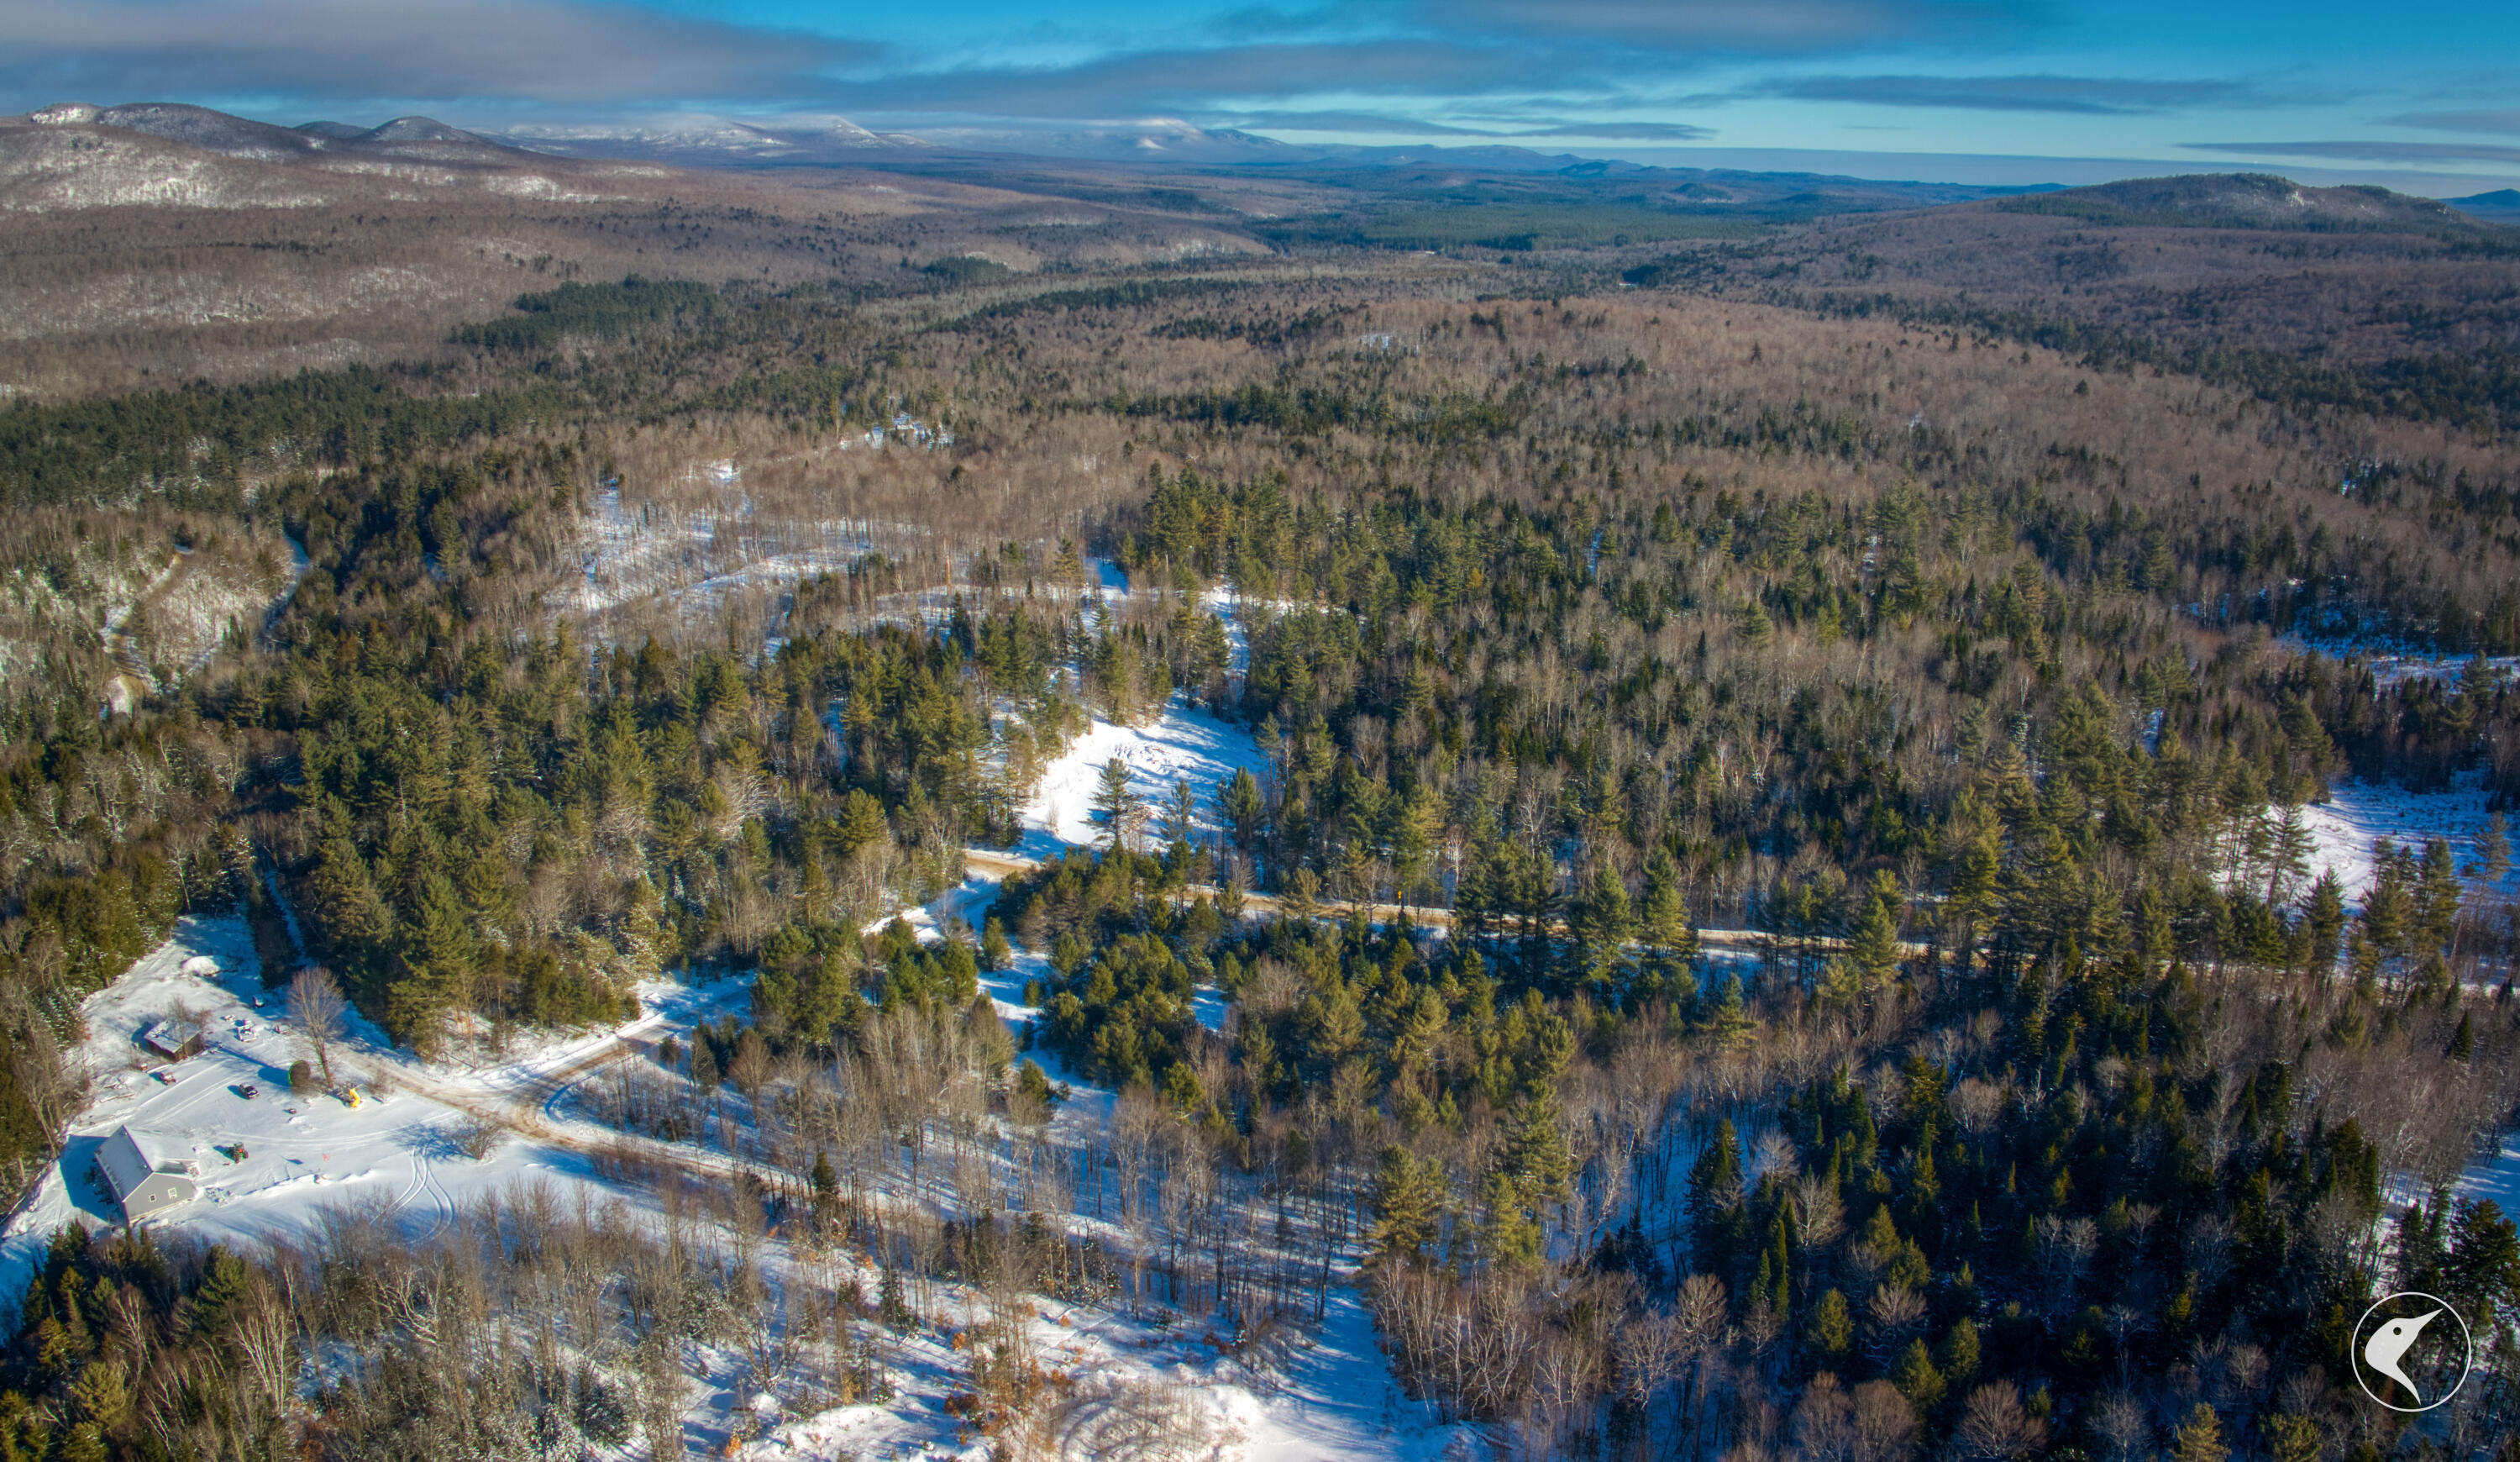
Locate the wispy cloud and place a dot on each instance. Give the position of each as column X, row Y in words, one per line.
column 2101, row 95
column 2503, row 119
column 1495, row 129
column 1621, row 131
column 541, row 51
column 1373, row 123
column 1203, row 80
column 2367, row 151
column 1751, row 27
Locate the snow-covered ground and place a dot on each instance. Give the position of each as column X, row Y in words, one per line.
column 2395, row 662
column 290, row 1161
column 271, row 1164
column 1184, row 744
column 2497, row 1177
column 2357, row 814
column 694, row 559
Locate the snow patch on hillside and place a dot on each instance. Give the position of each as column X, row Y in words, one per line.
column 1184, row 744
column 2357, row 814
column 2496, row 1176
column 2394, row 662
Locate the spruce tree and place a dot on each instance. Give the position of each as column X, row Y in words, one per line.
column 1714, row 1201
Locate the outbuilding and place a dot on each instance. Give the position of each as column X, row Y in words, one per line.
column 142, row 1176
column 173, row 1040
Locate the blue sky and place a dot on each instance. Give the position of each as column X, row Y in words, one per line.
column 2425, row 96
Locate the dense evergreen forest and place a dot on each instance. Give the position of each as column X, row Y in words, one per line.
column 2040, row 1098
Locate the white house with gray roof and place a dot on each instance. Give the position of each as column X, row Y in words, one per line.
column 142, row 1176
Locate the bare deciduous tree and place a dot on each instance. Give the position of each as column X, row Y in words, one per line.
column 1996, row 1427
column 315, row 998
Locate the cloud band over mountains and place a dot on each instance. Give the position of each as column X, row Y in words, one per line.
column 526, row 51
column 1816, row 75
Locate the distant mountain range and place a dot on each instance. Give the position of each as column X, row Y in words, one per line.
column 994, row 154
column 2502, row 205
column 713, row 141
column 2223, row 200
column 1431, row 176
column 418, row 138
column 2240, row 200
column 717, row 141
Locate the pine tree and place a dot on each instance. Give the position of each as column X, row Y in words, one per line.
column 825, row 1189
column 2288, row 858
column 1602, row 925
column 2293, row 1439
column 1240, row 800
column 1181, row 810
column 2323, row 913
column 347, row 906
column 1918, row 1379
column 1831, row 1331
column 1957, row 1356
column 892, row 1305
column 1663, row 921
column 1729, row 1020
column 2483, row 1266
column 2200, row 1439
column 1415, row 827
column 438, row 952
column 2494, row 851
column 1118, row 806
column 1408, row 1201
column 1538, row 1153
column 861, row 822
column 1509, row 1237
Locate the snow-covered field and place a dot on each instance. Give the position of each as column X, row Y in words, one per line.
column 1181, row 745
column 2357, row 814
column 271, row 1164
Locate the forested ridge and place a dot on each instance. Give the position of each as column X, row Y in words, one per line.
column 2042, row 1098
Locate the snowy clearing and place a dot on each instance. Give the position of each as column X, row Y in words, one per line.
column 2343, row 828
column 1184, row 744
column 300, row 1154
